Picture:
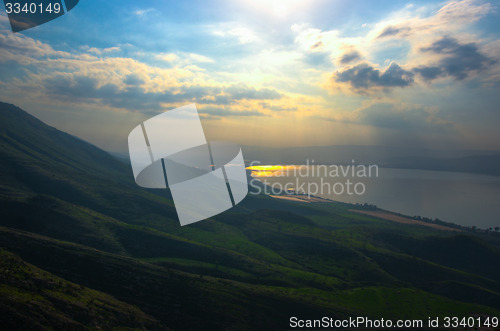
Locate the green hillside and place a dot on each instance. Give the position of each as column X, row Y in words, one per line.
column 71, row 214
column 33, row 298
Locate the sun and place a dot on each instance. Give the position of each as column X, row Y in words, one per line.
column 277, row 8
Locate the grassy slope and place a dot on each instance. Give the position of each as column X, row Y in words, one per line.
column 33, row 298
column 70, row 209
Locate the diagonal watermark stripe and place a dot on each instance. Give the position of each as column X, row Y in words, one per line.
column 204, row 179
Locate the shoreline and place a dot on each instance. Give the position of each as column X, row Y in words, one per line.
column 302, row 198
column 389, row 216
column 377, row 213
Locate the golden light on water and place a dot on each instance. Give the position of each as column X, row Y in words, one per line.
column 271, row 170
column 262, row 174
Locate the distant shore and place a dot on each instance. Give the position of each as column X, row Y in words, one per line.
column 380, row 214
column 400, row 219
column 301, row 198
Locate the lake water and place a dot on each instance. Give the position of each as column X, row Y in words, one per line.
column 465, row 199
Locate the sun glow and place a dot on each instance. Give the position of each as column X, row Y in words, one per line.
column 270, row 170
column 278, row 8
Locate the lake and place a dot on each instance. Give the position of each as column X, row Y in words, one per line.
column 465, row 199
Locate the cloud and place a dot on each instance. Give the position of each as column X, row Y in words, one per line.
column 318, row 44
column 83, row 89
column 311, row 39
column 21, row 49
column 350, row 57
column 144, row 12
column 458, row 60
column 266, row 105
column 318, row 59
column 365, row 76
column 231, row 94
column 393, row 31
column 83, row 78
column 220, row 112
column 184, row 59
column 426, row 42
column 467, row 11
column 133, row 79
column 451, row 17
column 200, row 58
column 444, row 57
column 169, row 57
column 134, row 95
column 402, row 117
column 428, row 73
column 101, row 51
column 241, row 91
column 243, row 34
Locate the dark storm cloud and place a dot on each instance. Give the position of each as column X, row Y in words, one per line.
column 364, row 75
column 458, row 61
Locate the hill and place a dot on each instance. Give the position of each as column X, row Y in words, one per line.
column 32, row 298
column 72, row 213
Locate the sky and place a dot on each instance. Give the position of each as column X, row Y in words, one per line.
column 266, row 72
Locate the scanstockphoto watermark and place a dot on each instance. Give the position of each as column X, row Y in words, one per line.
column 311, row 179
